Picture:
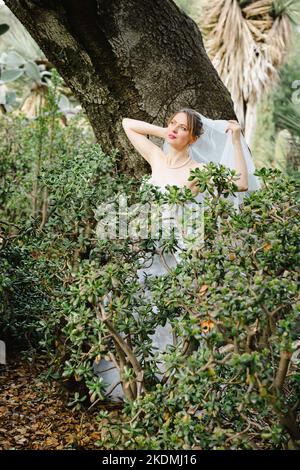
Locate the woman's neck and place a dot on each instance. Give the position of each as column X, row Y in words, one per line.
column 175, row 157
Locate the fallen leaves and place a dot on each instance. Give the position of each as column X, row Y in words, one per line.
column 34, row 415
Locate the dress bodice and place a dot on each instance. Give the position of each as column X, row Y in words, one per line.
column 154, row 181
column 185, row 217
column 168, row 177
column 162, row 186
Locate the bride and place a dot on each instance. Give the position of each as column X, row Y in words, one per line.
column 172, row 166
column 184, row 128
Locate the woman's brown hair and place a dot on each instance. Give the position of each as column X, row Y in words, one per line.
column 194, row 122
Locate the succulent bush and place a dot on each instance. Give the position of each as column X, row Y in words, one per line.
column 239, row 388
column 232, row 379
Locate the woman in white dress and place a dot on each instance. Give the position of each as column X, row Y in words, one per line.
column 170, row 168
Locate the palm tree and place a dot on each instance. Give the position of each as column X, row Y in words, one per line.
column 247, row 42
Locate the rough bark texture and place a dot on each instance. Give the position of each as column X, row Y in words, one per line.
column 126, row 58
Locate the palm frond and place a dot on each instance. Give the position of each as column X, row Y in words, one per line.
column 288, row 8
column 290, row 120
column 247, row 45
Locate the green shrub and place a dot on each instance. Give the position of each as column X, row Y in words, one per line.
column 239, row 388
column 232, row 379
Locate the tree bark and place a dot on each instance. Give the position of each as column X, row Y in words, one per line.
column 126, row 58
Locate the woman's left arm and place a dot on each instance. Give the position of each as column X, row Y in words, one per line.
column 240, row 163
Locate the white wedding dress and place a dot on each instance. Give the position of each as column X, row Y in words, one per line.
column 162, row 336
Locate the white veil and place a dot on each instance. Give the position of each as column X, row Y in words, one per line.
column 215, row 145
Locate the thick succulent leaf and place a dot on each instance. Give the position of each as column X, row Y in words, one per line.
column 13, row 60
column 10, row 75
column 64, row 103
column 33, row 71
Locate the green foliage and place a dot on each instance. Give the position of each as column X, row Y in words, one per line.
column 264, row 136
column 25, row 297
column 229, row 392
column 232, row 378
column 43, row 162
column 277, row 111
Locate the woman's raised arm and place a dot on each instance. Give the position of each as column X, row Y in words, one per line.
column 137, row 131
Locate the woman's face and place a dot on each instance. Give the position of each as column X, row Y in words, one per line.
column 178, row 133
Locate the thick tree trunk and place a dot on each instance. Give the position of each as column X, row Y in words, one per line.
column 126, row 58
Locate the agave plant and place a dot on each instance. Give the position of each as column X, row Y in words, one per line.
column 13, row 67
column 18, row 53
column 17, row 37
column 21, row 58
column 247, row 42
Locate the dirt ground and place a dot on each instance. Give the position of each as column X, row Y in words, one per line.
column 34, row 415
